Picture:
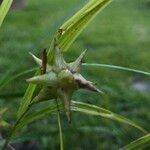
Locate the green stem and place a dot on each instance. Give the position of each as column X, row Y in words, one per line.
column 59, row 125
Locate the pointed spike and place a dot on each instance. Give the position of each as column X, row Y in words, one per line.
column 49, row 79
column 92, row 87
column 85, row 84
column 82, row 55
column 65, row 96
column 37, row 60
column 34, row 80
column 68, row 109
column 75, row 66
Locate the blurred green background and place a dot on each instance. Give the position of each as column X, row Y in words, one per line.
column 120, row 35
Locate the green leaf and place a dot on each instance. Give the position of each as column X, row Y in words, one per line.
column 74, row 26
column 138, row 144
column 5, row 6
column 83, row 108
column 98, row 111
column 26, row 100
column 116, row 67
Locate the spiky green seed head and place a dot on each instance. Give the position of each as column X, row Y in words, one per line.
column 61, row 80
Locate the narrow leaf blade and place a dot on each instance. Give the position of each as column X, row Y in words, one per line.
column 26, row 100
column 75, row 25
column 98, row 111
column 4, row 8
column 83, row 108
column 140, row 143
column 60, row 131
column 116, row 67
column 79, row 21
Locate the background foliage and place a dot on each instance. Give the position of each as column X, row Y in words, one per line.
column 119, row 36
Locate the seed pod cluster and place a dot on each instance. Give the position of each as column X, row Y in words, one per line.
column 61, row 80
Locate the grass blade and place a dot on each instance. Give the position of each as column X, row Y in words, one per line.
column 5, row 6
column 26, row 100
column 60, row 129
column 98, row 111
column 59, row 126
column 77, row 16
column 83, row 108
column 73, row 27
column 140, row 143
column 116, row 67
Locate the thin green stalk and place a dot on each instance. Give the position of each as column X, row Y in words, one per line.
column 60, row 128
column 116, row 67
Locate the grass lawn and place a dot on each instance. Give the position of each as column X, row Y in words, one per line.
column 120, row 35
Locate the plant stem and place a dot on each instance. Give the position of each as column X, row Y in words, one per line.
column 60, row 129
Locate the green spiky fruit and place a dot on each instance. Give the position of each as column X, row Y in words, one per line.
column 61, row 80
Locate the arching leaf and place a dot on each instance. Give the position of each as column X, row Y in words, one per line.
column 4, row 8
column 140, row 143
column 116, row 67
column 83, row 108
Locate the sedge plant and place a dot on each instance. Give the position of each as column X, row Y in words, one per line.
column 56, row 80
